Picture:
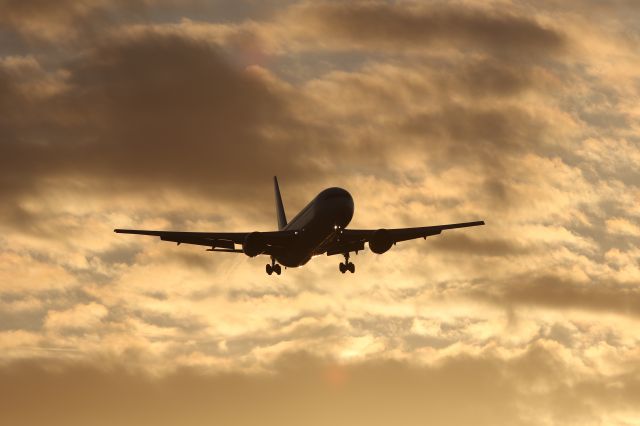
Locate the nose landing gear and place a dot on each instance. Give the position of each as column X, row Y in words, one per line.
column 273, row 267
column 347, row 266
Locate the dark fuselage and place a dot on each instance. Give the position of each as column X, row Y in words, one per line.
column 319, row 223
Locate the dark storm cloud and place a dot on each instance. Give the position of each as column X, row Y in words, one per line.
column 150, row 111
column 391, row 25
column 312, row 391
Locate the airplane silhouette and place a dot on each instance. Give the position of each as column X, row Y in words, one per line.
column 319, row 228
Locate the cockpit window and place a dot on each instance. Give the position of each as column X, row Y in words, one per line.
column 331, row 195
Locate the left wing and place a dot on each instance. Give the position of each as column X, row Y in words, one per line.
column 218, row 241
column 381, row 240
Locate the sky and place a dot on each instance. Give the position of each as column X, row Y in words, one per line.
column 166, row 114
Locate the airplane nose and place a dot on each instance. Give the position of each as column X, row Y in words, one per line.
column 345, row 213
column 338, row 205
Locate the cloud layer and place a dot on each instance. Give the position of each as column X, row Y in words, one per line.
column 175, row 115
column 523, row 391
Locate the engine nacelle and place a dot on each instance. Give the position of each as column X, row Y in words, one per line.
column 254, row 244
column 380, row 241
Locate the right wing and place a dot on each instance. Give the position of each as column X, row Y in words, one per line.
column 218, row 241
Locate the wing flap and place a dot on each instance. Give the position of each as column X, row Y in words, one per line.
column 345, row 247
column 211, row 242
column 236, row 237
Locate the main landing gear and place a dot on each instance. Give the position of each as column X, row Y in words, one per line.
column 273, row 267
column 347, row 266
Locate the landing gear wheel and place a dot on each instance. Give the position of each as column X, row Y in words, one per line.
column 273, row 267
column 347, row 266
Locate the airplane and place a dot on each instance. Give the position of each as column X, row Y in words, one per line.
column 319, row 228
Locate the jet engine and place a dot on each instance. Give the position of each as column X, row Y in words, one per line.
column 380, row 241
column 254, row 244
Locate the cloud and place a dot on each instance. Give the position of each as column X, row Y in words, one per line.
column 303, row 389
column 63, row 21
column 80, row 317
column 466, row 245
column 622, row 226
column 146, row 111
column 553, row 291
column 410, row 25
column 21, row 272
column 175, row 104
column 471, row 133
column 173, row 115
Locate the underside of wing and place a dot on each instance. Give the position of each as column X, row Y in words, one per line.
column 381, row 240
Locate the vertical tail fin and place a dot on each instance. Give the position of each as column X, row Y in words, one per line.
column 282, row 218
